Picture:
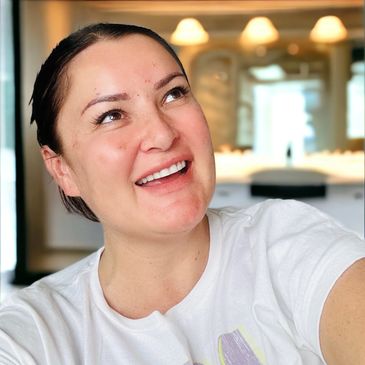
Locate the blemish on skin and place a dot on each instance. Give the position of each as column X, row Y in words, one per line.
column 122, row 147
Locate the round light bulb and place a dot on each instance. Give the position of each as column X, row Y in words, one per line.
column 328, row 29
column 259, row 30
column 189, row 32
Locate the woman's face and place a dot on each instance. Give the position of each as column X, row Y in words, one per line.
column 129, row 118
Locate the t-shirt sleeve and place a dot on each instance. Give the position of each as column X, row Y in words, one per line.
column 17, row 337
column 20, row 338
column 307, row 252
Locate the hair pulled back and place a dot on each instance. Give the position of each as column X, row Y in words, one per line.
column 50, row 88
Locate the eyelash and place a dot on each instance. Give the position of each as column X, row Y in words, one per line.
column 182, row 89
column 101, row 118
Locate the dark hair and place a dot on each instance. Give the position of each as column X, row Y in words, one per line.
column 51, row 86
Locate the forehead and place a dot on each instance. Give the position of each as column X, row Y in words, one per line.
column 128, row 53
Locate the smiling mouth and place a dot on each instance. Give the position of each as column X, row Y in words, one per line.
column 176, row 168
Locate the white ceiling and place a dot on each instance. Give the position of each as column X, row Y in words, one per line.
column 222, row 7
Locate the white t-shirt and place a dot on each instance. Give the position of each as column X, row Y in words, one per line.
column 259, row 300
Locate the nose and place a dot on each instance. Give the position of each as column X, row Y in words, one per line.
column 159, row 133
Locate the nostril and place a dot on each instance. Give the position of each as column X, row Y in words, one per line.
column 161, row 136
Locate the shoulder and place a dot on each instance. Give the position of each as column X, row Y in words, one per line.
column 276, row 219
column 280, row 218
column 60, row 284
column 268, row 206
column 286, row 212
column 34, row 320
column 272, row 215
column 297, row 231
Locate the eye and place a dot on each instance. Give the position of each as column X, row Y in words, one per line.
column 175, row 93
column 110, row 116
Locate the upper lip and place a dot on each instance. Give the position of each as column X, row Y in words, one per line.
column 162, row 166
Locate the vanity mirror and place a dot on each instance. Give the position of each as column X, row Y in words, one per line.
column 280, row 99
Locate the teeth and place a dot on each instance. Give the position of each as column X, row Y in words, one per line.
column 174, row 168
column 163, row 173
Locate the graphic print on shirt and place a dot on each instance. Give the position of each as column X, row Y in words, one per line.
column 234, row 350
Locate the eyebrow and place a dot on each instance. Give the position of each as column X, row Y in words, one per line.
column 106, row 98
column 124, row 96
column 163, row 82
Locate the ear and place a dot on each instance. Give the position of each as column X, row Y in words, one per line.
column 61, row 172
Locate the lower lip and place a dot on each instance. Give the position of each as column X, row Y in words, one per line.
column 169, row 183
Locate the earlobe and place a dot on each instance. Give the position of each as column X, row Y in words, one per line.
column 59, row 169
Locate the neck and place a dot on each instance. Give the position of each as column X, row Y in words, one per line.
column 139, row 276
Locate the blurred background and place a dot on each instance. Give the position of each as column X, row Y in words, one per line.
column 281, row 84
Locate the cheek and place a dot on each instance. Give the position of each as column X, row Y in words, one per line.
column 107, row 157
column 195, row 123
column 199, row 131
column 113, row 156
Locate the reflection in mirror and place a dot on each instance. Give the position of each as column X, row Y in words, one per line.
column 285, row 100
column 355, row 100
column 292, row 102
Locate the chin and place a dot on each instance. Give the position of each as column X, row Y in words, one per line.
column 181, row 218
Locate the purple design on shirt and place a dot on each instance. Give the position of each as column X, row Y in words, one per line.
column 234, row 350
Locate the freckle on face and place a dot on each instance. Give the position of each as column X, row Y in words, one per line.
column 106, row 162
column 121, row 147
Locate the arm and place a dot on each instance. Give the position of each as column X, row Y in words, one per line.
column 342, row 325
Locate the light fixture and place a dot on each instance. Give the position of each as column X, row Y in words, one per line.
column 189, row 32
column 293, row 49
column 328, row 29
column 259, row 30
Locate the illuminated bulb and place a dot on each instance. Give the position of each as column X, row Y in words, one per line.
column 189, row 32
column 328, row 29
column 293, row 49
column 259, row 30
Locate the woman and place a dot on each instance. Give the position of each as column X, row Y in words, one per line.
column 175, row 283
